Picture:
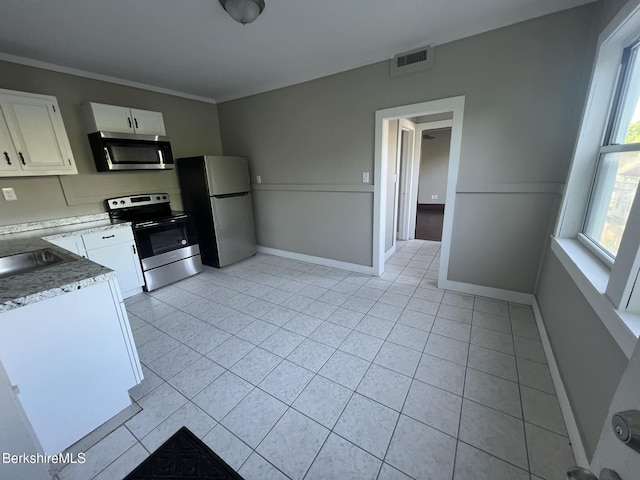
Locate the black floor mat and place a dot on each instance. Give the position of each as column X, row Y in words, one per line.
column 183, row 457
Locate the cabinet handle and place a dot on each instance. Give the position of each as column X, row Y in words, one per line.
column 129, row 120
column 108, row 236
column 22, row 158
column 134, row 249
column 136, row 121
column 6, row 156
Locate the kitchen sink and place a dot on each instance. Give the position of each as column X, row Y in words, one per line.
column 30, row 261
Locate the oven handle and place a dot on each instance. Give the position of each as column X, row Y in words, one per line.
column 142, row 226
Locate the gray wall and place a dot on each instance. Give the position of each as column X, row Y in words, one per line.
column 524, row 87
column 434, row 165
column 590, row 361
column 610, row 452
column 191, row 125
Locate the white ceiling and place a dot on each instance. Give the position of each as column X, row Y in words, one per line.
column 195, row 48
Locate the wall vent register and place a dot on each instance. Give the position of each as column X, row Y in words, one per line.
column 412, row 61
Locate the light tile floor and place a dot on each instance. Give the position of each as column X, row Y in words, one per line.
column 293, row 370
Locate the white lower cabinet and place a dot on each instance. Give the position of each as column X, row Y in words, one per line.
column 73, row 244
column 70, row 361
column 114, row 248
column 122, row 258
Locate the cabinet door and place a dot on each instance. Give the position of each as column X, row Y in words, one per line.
column 70, row 358
column 122, row 258
column 112, row 118
column 148, row 123
column 73, row 244
column 38, row 135
column 9, row 159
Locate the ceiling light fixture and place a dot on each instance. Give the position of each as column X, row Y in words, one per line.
column 243, row 11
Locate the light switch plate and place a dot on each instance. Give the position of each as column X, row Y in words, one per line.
column 258, row 179
column 365, row 177
column 9, row 194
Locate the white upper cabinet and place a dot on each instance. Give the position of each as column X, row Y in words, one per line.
column 33, row 140
column 112, row 118
column 9, row 160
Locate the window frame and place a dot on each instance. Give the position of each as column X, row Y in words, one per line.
column 630, row 55
column 608, row 285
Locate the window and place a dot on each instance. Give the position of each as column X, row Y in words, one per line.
column 599, row 217
column 618, row 169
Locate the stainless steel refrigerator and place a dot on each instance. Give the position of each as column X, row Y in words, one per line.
column 217, row 191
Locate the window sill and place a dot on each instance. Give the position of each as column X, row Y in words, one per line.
column 591, row 277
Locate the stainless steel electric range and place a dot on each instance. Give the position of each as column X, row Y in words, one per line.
column 166, row 240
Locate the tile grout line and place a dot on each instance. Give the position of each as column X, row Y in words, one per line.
column 324, row 321
column 524, row 429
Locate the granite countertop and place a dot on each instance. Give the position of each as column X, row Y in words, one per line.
column 30, row 287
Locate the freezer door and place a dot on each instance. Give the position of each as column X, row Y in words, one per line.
column 227, row 175
column 233, row 224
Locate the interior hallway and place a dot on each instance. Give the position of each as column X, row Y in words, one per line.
column 292, row 370
column 429, row 222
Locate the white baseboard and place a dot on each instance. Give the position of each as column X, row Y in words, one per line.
column 327, row 262
column 389, row 252
column 565, row 406
column 498, row 293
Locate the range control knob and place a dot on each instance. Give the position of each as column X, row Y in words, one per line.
column 164, row 197
column 114, row 203
column 157, row 198
column 121, row 202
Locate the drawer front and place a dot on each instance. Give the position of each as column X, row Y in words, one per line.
column 108, row 237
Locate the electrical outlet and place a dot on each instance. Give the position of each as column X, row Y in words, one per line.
column 9, row 194
column 365, row 177
column 258, row 179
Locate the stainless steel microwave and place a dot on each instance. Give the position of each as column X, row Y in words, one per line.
column 127, row 151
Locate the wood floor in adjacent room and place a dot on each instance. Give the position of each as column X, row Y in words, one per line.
column 429, row 220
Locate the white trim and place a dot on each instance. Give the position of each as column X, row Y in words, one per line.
column 310, row 187
column 620, row 32
column 490, row 292
column 327, row 262
column 103, row 78
column 388, row 253
column 405, row 181
column 563, row 399
column 382, row 118
column 437, row 125
column 415, row 174
column 506, row 188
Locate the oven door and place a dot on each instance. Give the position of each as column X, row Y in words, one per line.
column 162, row 236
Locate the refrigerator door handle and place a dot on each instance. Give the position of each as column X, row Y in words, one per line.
column 229, row 195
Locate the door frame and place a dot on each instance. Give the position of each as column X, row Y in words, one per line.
column 415, row 174
column 454, row 105
column 405, row 167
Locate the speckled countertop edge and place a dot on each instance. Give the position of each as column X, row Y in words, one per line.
column 30, row 287
column 54, row 292
column 56, row 222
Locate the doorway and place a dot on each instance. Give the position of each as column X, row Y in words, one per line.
column 434, row 143
column 385, row 178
